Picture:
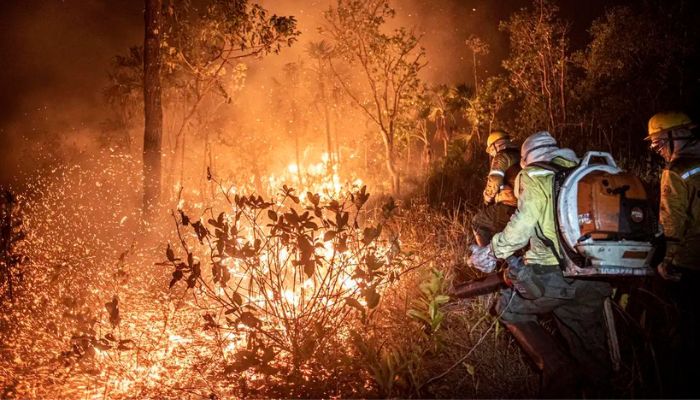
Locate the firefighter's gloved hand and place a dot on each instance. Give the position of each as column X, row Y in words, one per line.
column 488, row 199
column 668, row 272
column 482, row 258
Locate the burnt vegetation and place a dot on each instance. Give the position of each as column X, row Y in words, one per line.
column 270, row 270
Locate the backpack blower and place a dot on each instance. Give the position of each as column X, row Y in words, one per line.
column 605, row 224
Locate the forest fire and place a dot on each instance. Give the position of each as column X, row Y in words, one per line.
column 148, row 340
column 239, row 199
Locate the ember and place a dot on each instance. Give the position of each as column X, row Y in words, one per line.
column 277, row 199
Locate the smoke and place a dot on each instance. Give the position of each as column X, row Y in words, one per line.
column 57, row 55
column 443, row 26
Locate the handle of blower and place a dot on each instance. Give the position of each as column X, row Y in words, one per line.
column 488, row 284
column 598, row 154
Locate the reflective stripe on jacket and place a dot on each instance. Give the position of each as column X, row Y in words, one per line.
column 679, row 212
column 533, row 219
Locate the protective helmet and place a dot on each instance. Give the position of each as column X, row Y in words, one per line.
column 664, row 122
column 494, row 137
column 539, row 140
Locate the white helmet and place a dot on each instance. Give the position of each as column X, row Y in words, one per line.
column 536, row 145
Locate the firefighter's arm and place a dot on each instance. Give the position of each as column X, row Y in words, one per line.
column 521, row 226
column 495, row 179
column 672, row 211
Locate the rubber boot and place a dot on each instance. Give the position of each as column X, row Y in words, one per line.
column 557, row 368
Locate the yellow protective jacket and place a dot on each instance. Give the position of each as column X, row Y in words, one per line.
column 533, row 221
column 500, row 181
column 679, row 213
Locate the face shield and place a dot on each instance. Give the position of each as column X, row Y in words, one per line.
column 658, row 145
column 669, row 144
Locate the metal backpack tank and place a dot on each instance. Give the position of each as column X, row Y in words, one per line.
column 605, row 221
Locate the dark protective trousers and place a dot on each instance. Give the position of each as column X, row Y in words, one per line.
column 681, row 367
column 490, row 221
column 577, row 305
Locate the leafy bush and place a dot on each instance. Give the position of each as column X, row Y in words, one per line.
column 284, row 282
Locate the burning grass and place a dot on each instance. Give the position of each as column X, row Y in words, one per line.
column 298, row 294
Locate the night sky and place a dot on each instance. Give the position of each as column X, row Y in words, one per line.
column 55, row 54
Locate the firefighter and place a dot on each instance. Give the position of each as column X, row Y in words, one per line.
column 671, row 135
column 498, row 195
column 576, row 304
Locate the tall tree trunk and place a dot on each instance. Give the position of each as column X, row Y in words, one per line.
column 153, row 110
column 327, row 116
column 293, row 128
column 391, row 164
column 409, row 165
column 338, row 160
column 329, row 144
column 476, row 80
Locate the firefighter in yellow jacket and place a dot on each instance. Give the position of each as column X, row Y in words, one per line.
column 671, row 135
column 498, row 195
column 540, row 286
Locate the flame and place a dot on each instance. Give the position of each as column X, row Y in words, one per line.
column 170, row 339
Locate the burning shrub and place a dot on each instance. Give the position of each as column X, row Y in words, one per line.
column 285, row 282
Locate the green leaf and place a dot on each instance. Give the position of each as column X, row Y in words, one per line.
column 418, row 315
column 442, row 299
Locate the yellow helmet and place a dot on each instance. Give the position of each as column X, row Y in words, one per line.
column 494, row 137
column 666, row 121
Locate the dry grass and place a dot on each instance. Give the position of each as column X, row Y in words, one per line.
column 53, row 332
column 477, row 358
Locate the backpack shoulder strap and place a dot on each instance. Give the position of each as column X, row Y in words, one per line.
column 560, row 173
column 549, row 166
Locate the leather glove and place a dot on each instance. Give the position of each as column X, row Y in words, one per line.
column 488, row 199
column 482, row 258
column 668, row 272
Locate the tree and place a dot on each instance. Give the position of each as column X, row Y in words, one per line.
column 206, row 43
column 288, row 99
column 153, row 110
column 537, row 67
column 321, row 52
column 477, row 46
column 201, row 46
column 387, row 67
column 645, row 51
